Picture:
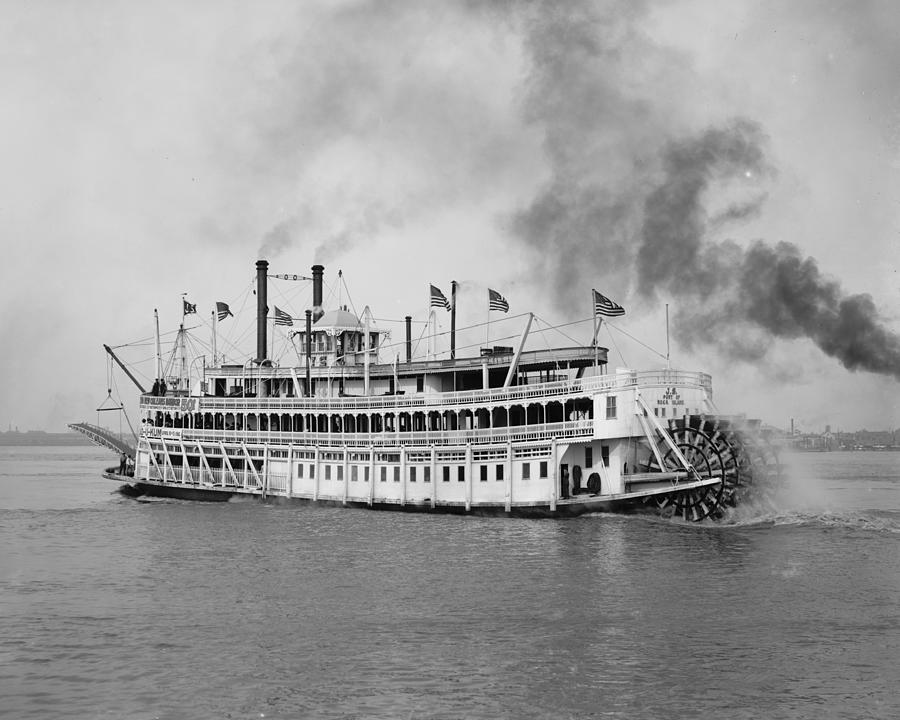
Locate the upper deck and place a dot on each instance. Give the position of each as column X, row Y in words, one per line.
column 584, row 386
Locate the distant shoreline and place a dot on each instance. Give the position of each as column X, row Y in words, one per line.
column 38, row 438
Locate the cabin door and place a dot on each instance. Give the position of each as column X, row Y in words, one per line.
column 564, row 480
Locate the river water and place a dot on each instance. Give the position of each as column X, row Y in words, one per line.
column 112, row 607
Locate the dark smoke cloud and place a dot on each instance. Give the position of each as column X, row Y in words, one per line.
column 637, row 197
column 730, row 290
column 597, row 89
column 671, row 255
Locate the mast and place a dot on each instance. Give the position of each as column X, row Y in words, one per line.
column 182, row 368
column 213, row 338
column 159, row 370
column 432, row 321
column 453, row 286
column 667, row 337
column 366, row 353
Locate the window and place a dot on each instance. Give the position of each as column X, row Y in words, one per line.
column 526, row 471
column 483, row 473
column 604, row 454
column 366, row 474
column 427, row 473
column 299, row 470
column 412, row 474
column 446, row 474
column 588, row 456
column 500, row 472
column 354, row 473
column 312, row 471
column 656, row 411
column 420, row 383
column 610, row 407
column 328, row 472
column 543, row 468
column 396, row 474
column 662, row 412
column 461, row 473
column 383, row 474
column 340, row 470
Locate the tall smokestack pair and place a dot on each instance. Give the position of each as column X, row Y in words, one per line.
column 262, row 305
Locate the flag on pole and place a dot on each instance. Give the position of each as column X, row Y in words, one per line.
column 496, row 301
column 604, row 306
column 222, row 310
column 282, row 318
column 438, row 299
column 188, row 308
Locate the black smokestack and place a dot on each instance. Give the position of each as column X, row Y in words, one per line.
column 729, row 290
column 317, row 271
column 262, row 309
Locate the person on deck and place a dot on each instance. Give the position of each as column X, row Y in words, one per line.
column 123, row 461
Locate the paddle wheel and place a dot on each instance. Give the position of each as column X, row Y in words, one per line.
column 733, row 449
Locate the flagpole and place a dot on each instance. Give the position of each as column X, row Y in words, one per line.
column 159, row 370
column 214, row 338
column 453, row 286
column 487, row 337
column 432, row 320
column 668, row 367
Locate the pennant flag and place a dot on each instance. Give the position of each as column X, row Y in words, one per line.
column 188, row 307
column 282, row 318
column 438, row 299
column 604, row 306
column 222, row 310
column 496, row 301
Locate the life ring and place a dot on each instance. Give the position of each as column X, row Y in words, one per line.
column 593, row 484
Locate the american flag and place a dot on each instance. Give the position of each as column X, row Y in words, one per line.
column 496, row 301
column 604, row 306
column 222, row 310
column 282, row 318
column 438, row 299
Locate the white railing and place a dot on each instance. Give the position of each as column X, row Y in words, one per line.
column 515, row 433
column 563, row 388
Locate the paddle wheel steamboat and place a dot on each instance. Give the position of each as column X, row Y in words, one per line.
column 510, row 431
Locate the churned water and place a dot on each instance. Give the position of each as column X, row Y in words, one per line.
column 115, row 608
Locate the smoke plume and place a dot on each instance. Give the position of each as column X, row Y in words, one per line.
column 637, row 198
column 732, row 293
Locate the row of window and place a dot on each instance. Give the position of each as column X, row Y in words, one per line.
column 499, row 472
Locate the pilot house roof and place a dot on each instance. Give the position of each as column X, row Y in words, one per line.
column 337, row 321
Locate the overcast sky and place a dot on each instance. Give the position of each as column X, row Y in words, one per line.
column 739, row 161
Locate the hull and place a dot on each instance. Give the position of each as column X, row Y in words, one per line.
column 583, row 504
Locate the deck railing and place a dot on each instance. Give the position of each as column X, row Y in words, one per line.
column 493, row 396
column 515, row 433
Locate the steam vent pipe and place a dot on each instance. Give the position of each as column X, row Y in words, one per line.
column 408, row 338
column 317, row 271
column 262, row 309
